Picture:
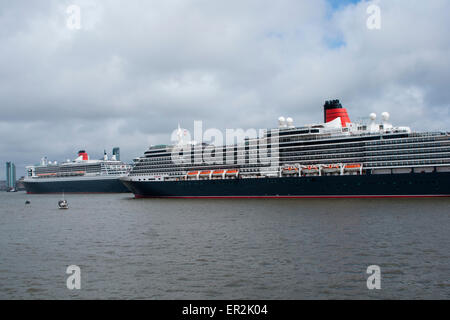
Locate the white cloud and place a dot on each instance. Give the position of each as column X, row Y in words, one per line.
column 137, row 68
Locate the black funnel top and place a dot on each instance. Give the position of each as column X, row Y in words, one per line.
column 330, row 104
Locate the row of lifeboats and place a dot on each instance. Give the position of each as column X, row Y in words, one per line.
column 322, row 168
column 221, row 173
column 60, row 174
column 350, row 168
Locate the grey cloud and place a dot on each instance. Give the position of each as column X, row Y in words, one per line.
column 137, row 68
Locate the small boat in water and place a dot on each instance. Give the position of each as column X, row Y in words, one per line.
column 63, row 204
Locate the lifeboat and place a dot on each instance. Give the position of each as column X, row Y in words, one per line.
column 232, row 172
column 192, row 174
column 331, row 168
column 205, row 173
column 353, row 167
column 289, row 170
column 218, row 173
column 71, row 173
column 310, row 169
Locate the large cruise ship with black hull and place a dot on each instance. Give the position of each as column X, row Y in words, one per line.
column 81, row 175
column 333, row 159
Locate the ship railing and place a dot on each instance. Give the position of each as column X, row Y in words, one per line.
column 442, row 161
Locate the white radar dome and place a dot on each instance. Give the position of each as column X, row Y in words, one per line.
column 290, row 121
column 385, row 116
column 373, row 116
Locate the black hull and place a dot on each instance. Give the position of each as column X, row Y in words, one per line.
column 388, row 185
column 77, row 186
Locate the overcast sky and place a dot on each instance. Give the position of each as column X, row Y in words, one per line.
column 137, row 68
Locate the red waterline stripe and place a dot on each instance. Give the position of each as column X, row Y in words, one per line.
column 28, row 192
column 138, row 196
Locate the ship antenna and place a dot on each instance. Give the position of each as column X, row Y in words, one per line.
column 179, row 135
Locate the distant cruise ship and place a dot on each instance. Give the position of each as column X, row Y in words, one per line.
column 336, row 158
column 81, row 175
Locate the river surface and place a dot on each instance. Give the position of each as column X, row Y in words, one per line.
column 130, row 248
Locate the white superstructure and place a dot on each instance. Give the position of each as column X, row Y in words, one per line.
column 81, row 167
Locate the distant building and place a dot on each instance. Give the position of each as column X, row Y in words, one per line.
column 116, row 152
column 10, row 176
column 19, row 185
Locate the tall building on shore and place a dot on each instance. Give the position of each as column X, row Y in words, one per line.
column 10, row 176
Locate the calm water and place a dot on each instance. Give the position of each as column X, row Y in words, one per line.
column 223, row 249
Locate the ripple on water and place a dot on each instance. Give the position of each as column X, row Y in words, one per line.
column 271, row 249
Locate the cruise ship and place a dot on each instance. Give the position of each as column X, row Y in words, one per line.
column 81, row 175
column 332, row 159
